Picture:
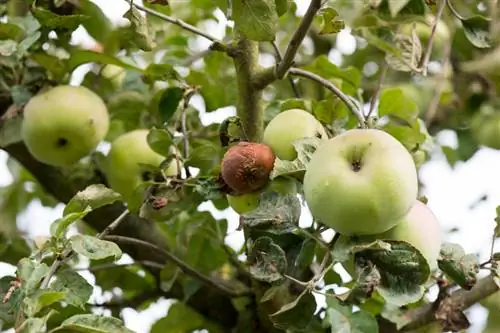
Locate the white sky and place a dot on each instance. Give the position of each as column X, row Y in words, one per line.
column 450, row 192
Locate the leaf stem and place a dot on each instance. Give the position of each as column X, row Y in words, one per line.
column 181, row 264
column 330, row 86
column 176, row 21
column 428, row 50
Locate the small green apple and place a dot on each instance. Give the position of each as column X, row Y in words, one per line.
column 288, row 126
column 64, row 124
column 486, row 129
column 114, row 73
column 361, row 182
column 123, row 166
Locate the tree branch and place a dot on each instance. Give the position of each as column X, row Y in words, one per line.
column 330, row 86
column 297, row 39
column 466, row 298
column 292, row 84
column 176, row 21
column 245, row 56
column 428, row 50
column 182, row 265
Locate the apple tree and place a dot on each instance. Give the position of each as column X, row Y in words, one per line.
column 129, row 155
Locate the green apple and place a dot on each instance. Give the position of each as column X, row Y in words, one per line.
column 64, row 124
column 486, row 129
column 247, row 202
column 114, row 73
column 288, row 126
column 123, row 163
column 361, row 182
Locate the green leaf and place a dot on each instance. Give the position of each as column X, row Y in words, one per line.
column 477, row 31
column 395, row 6
column 205, row 155
column 34, row 303
column 267, row 260
column 331, row 110
column 276, row 213
column 160, row 140
column 99, row 26
column 10, row 129
column 393, row 102
column 142, row 38
column 169, row 102
column 297, row 315
column 176, row 322
column 59, row 226
column 256, row 19
column 331, row 23
column 327, row 69
column 32, row 325
column 94, row 248
column 345, row 321
column 281, row 7
column 305, row 149
column 160, row 72
column 31, row 273
column 51, row 20
column 11, row 31
column 75, row 288
column 79, row 57
column 460, row 267
column 93, row 196
column 90, row 323
column 168, row 276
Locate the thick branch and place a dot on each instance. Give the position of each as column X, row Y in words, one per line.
column 297, row 39
column 206, row 301
column 250, row 109
column 466, row 298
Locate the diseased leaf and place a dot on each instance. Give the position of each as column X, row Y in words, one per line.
column 305, row 148
column 267, row 260
column 74, row 288
column 331, row 23
column 142, row 38
column 460, row 267
column 94, row 248
column 256, row 19
column 31, row 273
column 408, row 54
column 94, row 196
column 343, row 320
column 297, row 315
column 40, row 299
column 477, row 31
column 90, row 323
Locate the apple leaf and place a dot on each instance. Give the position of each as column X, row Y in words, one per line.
column 477, row 31
column 409, row 53
column 305, row 148
column 10, row 31
column 31, row 273
column 10, row 129
column 341, row 319
column 51, row 20
column 395, row 6
column 205, row 155
column 295, row 103
column 393, row 102
column 267, row 260
column 76, row 289
column 34, row 303
column 330, row 22
column 256, row 19
column 93, row 196
column 90, row 323
column 168, row 276
column 160, row 140
column 99, row 26
column 59, row 226
column 175, row 321
column 282, row 7
column 276, row 214
column 12, row 299
column 350, row 75
column 460, row 267
column 94, row 248
column 297, row 315
column 168, row 102
column 143, row 37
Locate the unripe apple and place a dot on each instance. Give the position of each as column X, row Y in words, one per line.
column 123, row 167
column 64, row 124
column 361, row 182
column 246, row 167
column 288, row 126
column 114, row 73
column 486, row 129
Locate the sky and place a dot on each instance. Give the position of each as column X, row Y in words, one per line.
column 450, row 192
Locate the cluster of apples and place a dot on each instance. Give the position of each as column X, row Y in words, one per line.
column 66, row 123
column 362, row 183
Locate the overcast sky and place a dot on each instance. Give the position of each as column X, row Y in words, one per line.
column 451, row 192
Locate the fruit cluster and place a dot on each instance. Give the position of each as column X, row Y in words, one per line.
column 362, row 183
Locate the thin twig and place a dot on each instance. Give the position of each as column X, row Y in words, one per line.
column 297, row 39
column 146, row 263
column 330, row 86
column 185, row 138
column 67, row 253
column 176, row 21
column 181, row 264
column 376, row 93
column 292, row 84
column 428, row 51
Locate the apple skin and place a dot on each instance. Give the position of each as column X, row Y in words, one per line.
column 64, row 124
column 245, row 203
column 114, row 73
column 486, row 130
column 288, row 126
column 128, row 151
column 361, row 182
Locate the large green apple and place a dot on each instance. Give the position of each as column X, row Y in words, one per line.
column 123, row 168
column 64, row 124
column 288, row 126
column 486, row 129
column 247, row 202
column 361, row 182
